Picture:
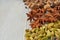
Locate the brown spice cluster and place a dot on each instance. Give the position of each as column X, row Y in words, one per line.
column 33, row 4
column 43, row 11
column 38, row 17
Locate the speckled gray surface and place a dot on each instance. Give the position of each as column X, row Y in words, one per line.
column 12, row 19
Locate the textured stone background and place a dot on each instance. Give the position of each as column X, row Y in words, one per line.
column 12, row 19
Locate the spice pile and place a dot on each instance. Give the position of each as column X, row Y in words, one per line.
column 39, row 16
column 43, row 12
column 33, row 4
column 49, row 31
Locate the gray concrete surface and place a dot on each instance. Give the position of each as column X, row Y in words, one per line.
column 12, row 20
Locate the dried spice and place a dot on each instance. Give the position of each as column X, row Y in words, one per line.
column 50, row 31
column 44, row 19
column 42, row 11
column 43, row 16
column 33, row 4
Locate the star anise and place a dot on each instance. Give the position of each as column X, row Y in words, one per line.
column 43, row 11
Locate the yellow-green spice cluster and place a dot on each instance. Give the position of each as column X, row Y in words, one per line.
column 50, row 31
